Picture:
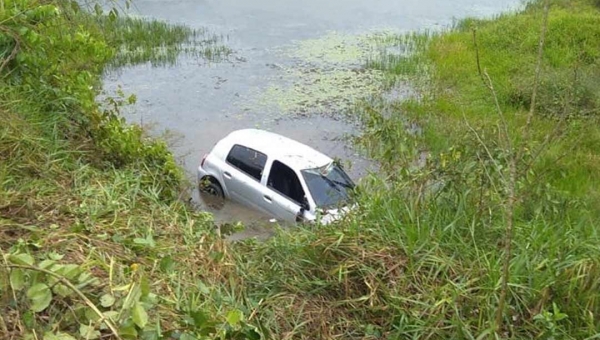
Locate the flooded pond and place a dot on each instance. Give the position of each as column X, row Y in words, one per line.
column 295, row 68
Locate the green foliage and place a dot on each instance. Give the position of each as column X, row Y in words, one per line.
column 85, row 200
column 153, row 269
column 550, row 320
column 56, row 55
column 141, row 40
column 455, row 202
column 51, row 286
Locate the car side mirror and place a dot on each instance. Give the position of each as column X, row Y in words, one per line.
column 304, row 206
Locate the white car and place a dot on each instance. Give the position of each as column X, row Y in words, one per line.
column 276, row 175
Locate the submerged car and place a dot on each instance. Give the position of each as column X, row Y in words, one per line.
column 276, row 175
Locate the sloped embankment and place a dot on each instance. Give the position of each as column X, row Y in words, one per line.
column 88, row 208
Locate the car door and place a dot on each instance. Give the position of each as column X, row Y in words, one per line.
column 283, row 192
column 242, row 175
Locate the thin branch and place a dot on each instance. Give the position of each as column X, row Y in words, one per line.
column 553, row 135
column 487, row 173
column 67, row 283
column 513, row 173
column 510, row 188
column 538, row 69
column 487, row 150
column 477, row 55
column 509, row 216
column 550, row 137
column 544, row 172
column 490, row 86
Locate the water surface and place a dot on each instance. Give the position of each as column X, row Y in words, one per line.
column 277, row 45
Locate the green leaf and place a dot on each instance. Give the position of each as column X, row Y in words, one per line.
column 187, row 336
column 86, row 278
column 21, row 259
column 252, row 334
column 234, row 317
column 113, row 14
column 167, row 264
column 55, row 256
column 98, row 9
column 91, row 315
column 69, row 271
column 88, row 332
column 139, row 315
column 28, row 319
column 46, row 264
column 75, row 6
column 144, row 287
column 40, row 296
column 132, row 99
column 62, row 290
column 203, row 288
column 128, row 331
column 147, row 241
column 107, row 300
column 150, row 335
column 17, row 279
column 112, row 315
column 58, row 336
column 199, row 317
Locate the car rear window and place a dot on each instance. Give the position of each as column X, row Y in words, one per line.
column 247, row 160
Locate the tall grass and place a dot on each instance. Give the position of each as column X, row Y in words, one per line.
column 140, row 40
column 555, row 238
column 421, row 257
column 91, row 232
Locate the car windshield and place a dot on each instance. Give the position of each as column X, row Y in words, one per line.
column 329, row 185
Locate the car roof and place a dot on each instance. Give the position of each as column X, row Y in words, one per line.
column 286, row 150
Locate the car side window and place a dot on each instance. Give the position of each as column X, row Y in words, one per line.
column 285, row 181
column 247, row 160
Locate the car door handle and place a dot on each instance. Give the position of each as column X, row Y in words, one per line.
column 227, row 174
column 268, row 198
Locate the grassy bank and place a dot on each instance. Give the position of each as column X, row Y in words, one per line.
column 512, row 169
column 92, row 236
column 95, row 244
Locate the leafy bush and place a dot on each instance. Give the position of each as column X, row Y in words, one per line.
column 56, row 66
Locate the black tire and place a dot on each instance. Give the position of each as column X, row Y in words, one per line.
column 212, row 187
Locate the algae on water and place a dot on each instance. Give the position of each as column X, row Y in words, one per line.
column 326, row 77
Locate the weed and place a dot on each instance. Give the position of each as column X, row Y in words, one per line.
column 83, row 203
column 142, row 40
column 472, row 161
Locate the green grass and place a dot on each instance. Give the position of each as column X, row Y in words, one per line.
column 557, row 212
column 507, row 48
column 90, row 199
column 146, row 40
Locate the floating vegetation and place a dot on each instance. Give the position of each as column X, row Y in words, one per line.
column 321, row 91
column 333, row 49
column 328, row 76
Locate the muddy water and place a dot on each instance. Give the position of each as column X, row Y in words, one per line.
column 294, row 70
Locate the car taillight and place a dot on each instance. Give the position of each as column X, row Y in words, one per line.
column 203, row 159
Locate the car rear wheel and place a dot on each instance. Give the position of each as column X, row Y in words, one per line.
column 212, row 187
column 211, row 193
